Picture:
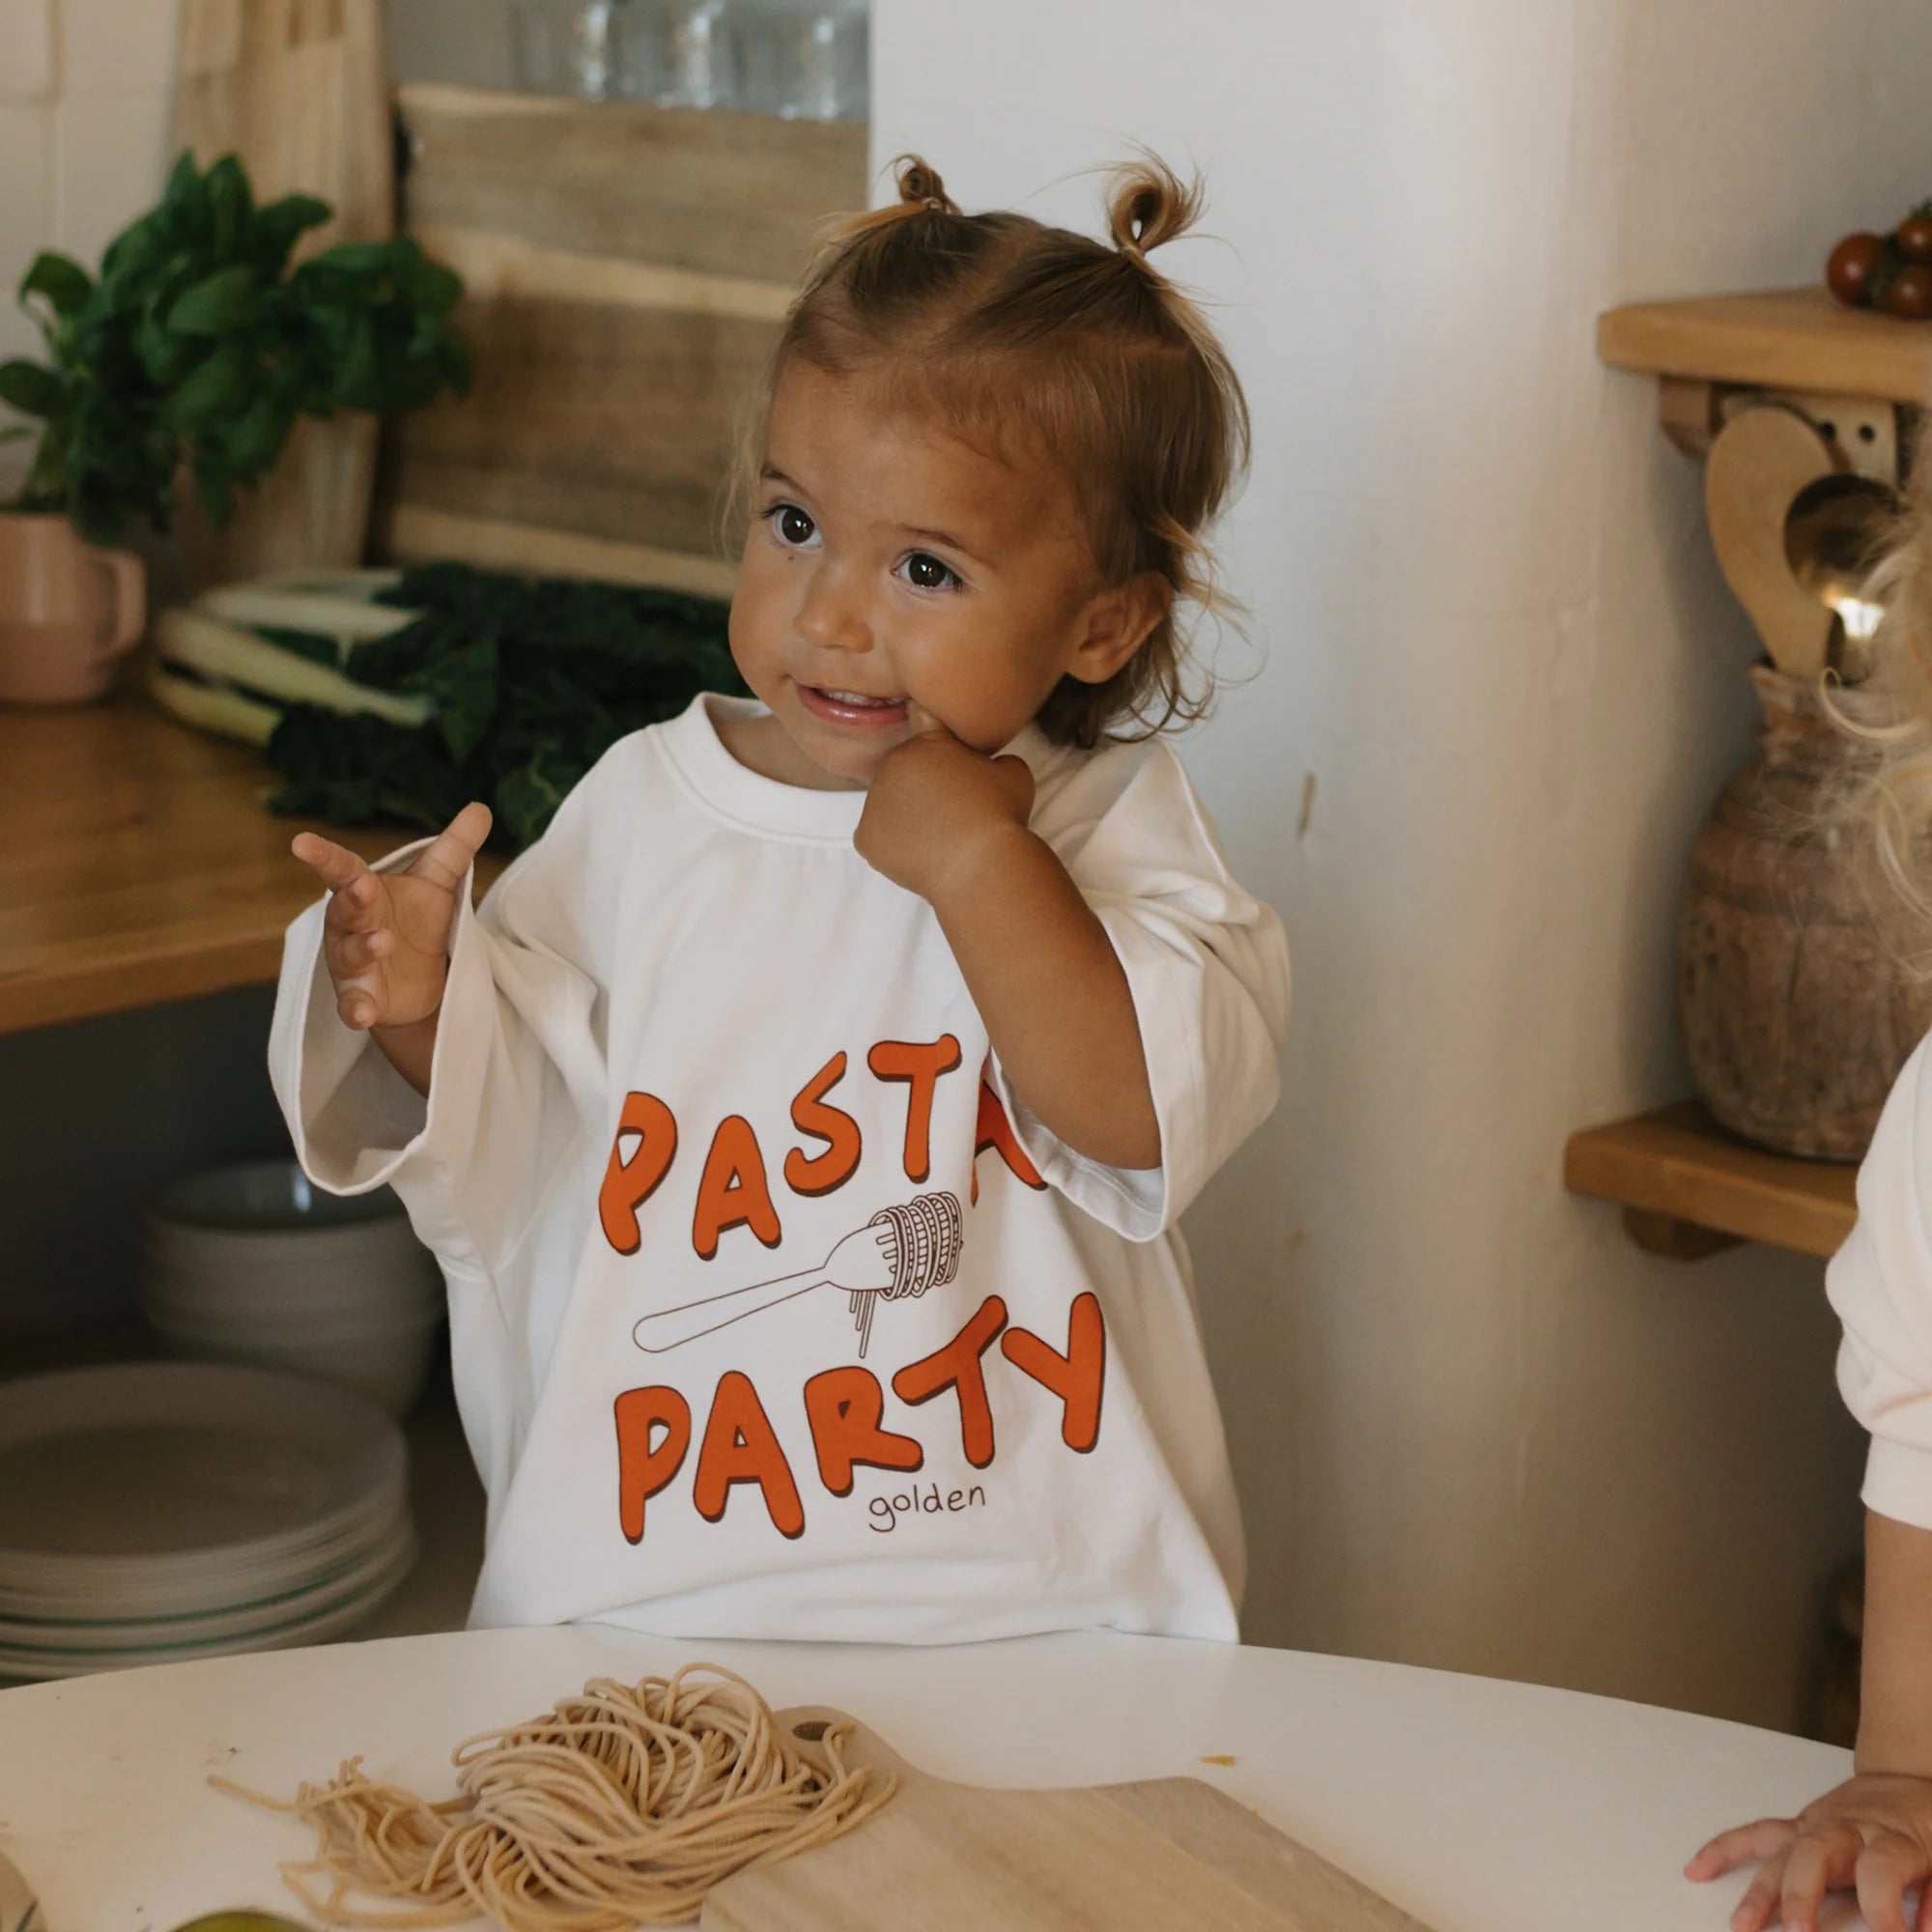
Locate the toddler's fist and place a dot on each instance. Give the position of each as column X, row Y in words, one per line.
column 386, row 936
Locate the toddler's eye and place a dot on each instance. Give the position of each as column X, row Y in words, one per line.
column 791, row 525
column 924, row 571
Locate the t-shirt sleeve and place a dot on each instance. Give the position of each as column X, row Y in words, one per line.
column 519, row 1061
column 1880, row 1283
column 1207, row 964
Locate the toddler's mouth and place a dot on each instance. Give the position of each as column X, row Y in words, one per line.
column 852, row 707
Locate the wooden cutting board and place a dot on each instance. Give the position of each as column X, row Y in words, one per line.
column 1153, row 1856
column 300, row 90
column 626, row 268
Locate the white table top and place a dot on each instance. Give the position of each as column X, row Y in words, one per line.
column 1477, row 1806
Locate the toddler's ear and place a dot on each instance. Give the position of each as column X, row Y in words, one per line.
column 1117, row 622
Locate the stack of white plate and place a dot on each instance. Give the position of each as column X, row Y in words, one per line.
column 155, row 1511
column 252, row 1263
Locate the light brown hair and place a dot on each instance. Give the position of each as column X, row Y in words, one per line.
column 1030, row 341
column 1894, row 799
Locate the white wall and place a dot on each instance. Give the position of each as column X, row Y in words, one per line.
column 85, row 87
column 1474, row 1426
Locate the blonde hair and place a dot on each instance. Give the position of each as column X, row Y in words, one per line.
column 1895, row 798
column 1080, row 351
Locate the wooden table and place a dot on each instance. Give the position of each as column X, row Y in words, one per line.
column 1477, row 1806
column 138, row 863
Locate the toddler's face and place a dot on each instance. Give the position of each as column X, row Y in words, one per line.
column 891, row 569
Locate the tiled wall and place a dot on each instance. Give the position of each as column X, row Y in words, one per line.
column 85, row 89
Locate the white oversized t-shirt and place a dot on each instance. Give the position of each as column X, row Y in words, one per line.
column 1880, row 1282
column 773, row 1312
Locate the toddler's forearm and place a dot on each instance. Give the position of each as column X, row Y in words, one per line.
column 410, row 1049
column 1895, row 1705
column 1056, row 1003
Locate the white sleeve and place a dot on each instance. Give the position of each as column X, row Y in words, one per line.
column 1880, row 1283
column 519, row 1061
column 1207, row 967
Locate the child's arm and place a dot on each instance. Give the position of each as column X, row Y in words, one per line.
column 950, row 824
column 1875, row 1830
column 385, row 937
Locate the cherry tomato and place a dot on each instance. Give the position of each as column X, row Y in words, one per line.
column 1909, row 294
column 1914, row 236
column 1854, row 261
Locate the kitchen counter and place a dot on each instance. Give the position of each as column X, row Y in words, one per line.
column 1476, row 1804
column 139, row 863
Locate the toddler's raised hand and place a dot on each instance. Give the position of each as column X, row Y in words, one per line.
column 386, row 936
column 1873, row 1833
column 932, row 803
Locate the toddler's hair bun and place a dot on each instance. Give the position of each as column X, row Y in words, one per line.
column 919, row 185
column 1149, row 205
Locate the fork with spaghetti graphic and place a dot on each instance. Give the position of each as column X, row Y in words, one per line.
column 901, row 1251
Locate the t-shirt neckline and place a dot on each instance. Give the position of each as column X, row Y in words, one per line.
column 748, row 798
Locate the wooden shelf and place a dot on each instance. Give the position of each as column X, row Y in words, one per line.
column 1781, row 339
column 138, row 864
column 1676, row 1169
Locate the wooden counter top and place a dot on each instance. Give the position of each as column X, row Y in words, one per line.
column 1779, row 339
column 139, row 863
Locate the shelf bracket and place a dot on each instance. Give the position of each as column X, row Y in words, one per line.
column 1677, row 1241
column 1691, row 410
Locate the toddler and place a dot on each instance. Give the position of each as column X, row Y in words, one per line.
column 802, row 1124
column 1874, row 1832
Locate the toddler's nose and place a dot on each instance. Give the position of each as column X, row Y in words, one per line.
column 832, row 616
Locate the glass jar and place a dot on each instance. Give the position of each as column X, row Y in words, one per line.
column 568, row 46
column 803, row 59
column 677, row 53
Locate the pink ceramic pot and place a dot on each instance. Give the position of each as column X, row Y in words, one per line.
column 67, row 611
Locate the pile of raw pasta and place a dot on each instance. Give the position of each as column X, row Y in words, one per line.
column 621, row 1807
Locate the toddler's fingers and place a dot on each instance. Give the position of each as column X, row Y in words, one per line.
column 336, row 865
column 445, row 860
column 1821, row 1858
column 923, row 723
column 1763, row 1839
column 1758, row 1906
column 1887, row 1868
column 359, row 1001
column 349, row 954
column 359, row 906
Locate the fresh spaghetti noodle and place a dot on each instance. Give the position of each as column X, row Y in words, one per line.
column 620, row 1807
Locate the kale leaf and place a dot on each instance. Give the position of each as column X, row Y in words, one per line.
column 530, row 681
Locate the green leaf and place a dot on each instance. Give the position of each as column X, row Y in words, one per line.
column 64, row 284
column 277, row 227
column 30, row 389
column 132, row 254
column 256, row 441
column 466, row 689
column 296, row 213
column 356, row 258
column 163, row 356
column 211, row 391
column 429, row 286
column 224, row 303
column 231, row 203
column 217, row 499
column 185, row 197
